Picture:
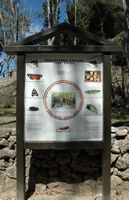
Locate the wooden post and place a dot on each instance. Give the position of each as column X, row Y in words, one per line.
column 20, row 128
column 106, row 160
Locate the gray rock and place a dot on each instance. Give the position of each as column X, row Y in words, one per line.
column 13, row 131
column 114, row 171
column 12, row 139
column 98, row 197
column 4, row 142
column 53, row 185
column 125, row 185
column 112, row 141
column 124, row 146
column 115, row 181
column 4, row 133
column 11, row 172
column 123, row 162
column 124, row 174
column 27, row 160
column 11, row 145
column 113, row 129
column 121, row 132
column 116, row 147
column 40, row 187
column 114, row 158
column 113, row 135
column 3, row 164
column 7, row 153
column 27, row 171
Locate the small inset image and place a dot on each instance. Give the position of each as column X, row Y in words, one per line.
column 34, row 76
column 92, row 76
column 34, row 93
column 63, row 129
column 33, row 108
column 64, row 100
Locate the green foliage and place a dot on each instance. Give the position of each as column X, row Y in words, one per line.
column 104, row 18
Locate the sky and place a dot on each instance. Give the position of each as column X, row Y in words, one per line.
column 35, row 6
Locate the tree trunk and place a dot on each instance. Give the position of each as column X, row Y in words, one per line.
column 52, row 15
column 4, row 34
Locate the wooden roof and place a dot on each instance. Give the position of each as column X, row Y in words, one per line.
column 77, row 32
column 92, row 42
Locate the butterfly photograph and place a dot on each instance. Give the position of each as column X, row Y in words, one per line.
column 35, row 76
column 34, row 93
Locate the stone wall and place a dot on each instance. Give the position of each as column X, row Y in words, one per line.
column 49, row 167
column 120, row 156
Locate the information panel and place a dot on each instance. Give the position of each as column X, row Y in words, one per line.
column 63, row 97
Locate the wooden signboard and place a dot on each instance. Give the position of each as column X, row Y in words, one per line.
column 63, row 98
column 63, row 102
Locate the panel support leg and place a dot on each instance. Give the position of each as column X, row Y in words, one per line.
column 106, row 174
column 21, row 174
column 20, row 127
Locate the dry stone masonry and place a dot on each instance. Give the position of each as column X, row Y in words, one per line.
column 59, row 170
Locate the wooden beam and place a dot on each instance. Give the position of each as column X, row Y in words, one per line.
column 63, row 49
column 64, row 145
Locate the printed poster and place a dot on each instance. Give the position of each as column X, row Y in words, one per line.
column 63, row 98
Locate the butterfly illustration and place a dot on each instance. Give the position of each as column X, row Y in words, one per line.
column 33, row 108
column 34, row 92
column 35, row 76
column 34, row 62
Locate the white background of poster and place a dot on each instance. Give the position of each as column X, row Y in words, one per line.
column 40, row 125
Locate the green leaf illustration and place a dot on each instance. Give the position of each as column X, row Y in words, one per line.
column 92, row 91
column 92, row 108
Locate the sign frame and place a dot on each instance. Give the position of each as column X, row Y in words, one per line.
column 61, row 116
column 104, row 145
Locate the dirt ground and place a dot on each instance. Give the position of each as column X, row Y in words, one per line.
column 118, row 193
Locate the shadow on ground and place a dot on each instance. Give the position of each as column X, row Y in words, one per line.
column 75, row 168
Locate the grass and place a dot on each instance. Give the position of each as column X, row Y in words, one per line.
column 8, row 111
column 120, row 115
column 8, row 115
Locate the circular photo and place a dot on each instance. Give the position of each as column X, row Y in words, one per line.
column 63, row 100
